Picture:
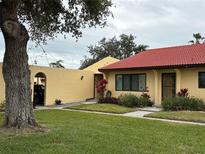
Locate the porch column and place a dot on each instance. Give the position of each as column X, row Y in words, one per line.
column 106, row 77
column 178, row 80
column 156, row 88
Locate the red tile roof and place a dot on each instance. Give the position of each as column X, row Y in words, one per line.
column 179, row 56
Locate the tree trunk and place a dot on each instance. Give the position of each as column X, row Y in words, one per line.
column 19, row 108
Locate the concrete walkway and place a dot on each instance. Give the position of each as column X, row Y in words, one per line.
column 140, row 113
column 151, row 109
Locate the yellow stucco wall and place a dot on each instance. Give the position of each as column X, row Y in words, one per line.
column 64, row 84
column 104, row 62
column 185, row 78
column 189, row 79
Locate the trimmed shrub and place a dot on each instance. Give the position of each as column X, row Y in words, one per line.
column 108, row 100
column 183, row 103
column 129, row 100
column 195, row 104
column 146, row 101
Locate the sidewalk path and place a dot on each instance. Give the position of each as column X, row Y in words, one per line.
column 140, row 114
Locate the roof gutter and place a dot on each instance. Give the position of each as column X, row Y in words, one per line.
column 152, row 67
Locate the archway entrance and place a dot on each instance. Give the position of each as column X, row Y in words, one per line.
column 39, row 89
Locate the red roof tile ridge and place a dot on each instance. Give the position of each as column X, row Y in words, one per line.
column 160, row 57
column 172, row 47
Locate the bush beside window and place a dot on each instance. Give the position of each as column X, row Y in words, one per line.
column 131, row 100
column 183, row 103
column 146, row 100
column 128, row 100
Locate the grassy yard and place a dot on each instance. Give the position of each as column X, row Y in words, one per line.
column 193, row 116
column 79, row 133
column 109, row 108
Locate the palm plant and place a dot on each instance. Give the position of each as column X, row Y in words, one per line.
column 198, row 39
column 57, row 64
column 141, row 48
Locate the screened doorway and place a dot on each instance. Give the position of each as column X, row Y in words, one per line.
column 168, row 85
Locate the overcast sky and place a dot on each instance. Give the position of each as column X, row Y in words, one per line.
column 157, row 23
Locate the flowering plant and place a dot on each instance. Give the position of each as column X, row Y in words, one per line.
column 101, row 86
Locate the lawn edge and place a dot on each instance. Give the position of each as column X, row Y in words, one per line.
column 154, row 117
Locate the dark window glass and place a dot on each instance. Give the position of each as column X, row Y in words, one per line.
column 142, row 82
column 119, row 82
column 126, row 82
column 130, row 82
column 202, row 80
column 135, row 82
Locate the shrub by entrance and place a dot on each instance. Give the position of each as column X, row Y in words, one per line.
column 128, row 100
column 183, row 103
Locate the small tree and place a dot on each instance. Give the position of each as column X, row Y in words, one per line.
column 120, row 48
column 101, row 87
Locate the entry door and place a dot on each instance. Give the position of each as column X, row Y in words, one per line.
column 168, row 85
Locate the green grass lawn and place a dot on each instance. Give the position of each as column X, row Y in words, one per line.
column 193, row 116
column 79, row 133
column 108, row 108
